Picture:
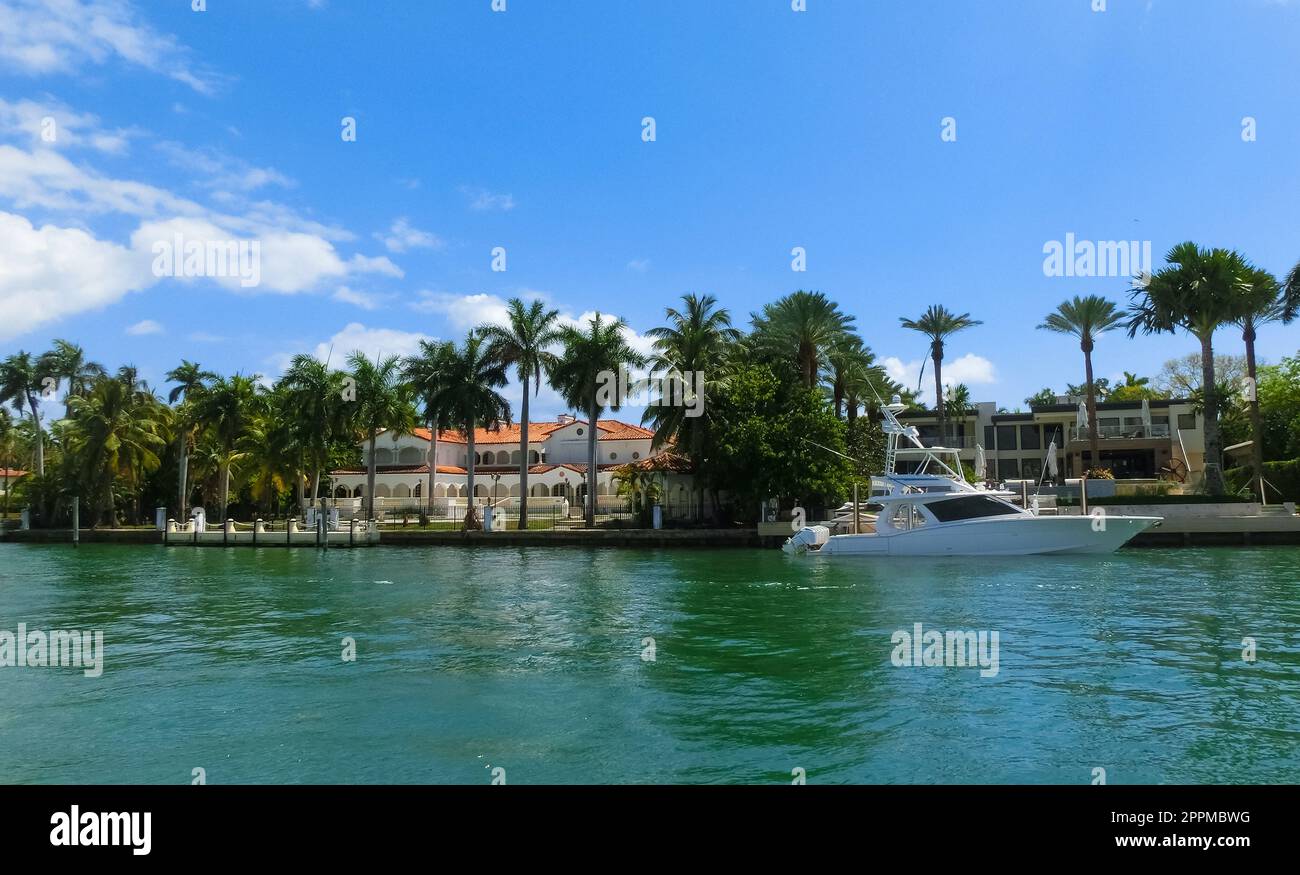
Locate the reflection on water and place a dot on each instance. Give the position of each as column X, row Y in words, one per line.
column 532, row 660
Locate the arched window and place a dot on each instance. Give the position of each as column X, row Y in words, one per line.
column 383, row 457
column 533, row 457
column 440, row 491
column 382, row 491
column 514, row 490
column 341, row 492
column 401, row 490
column 515, row 458
column 540, row 490
column 409, row 456
column 418, row 490
column 480, row 491
column 359, row 491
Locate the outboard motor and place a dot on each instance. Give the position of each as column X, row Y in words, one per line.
column 809, row 537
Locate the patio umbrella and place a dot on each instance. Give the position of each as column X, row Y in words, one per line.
column 1082, row 419
column 979, row 462
column 1051, row 459
column 1146, row 413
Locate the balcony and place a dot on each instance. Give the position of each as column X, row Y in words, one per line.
column 951, row 442
column 1121, row 432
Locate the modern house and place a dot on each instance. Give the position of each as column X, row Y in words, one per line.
column 1161, row 439
column 557, row 456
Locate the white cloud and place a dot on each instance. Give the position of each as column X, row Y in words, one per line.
column 40, row 37
column 371, row 342
column 482, row 200
column 50, row 272
column 359, row 299
column 971, row 369
column 145, row 326
column 640, row 265
column 463, row 312
column 50, row 124
column 402, row 236
column 217, row 170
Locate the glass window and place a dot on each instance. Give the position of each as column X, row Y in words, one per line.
column 1006, row 437
column 1186, row 421
column 1030, row 439
column 969, row 508
column 988, row 437
column 918, row 519
column 1008, row 469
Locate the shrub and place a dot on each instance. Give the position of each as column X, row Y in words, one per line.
column 1282, row 475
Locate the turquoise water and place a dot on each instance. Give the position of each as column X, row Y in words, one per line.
column 532, row 660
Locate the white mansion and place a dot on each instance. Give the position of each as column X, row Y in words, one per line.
column 557, row 455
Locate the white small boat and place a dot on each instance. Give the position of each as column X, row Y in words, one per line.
column 931, row 510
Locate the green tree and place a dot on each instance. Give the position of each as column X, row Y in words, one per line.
column 467, row 397
column 317, row 408
column 67, row 364
column 428, row 373
column 114, row 441
column 1197, row 292
column 19, row 386
column 690, row 354
column 938, row 323
column 383, row 403
column 1042, row 398
column 803, row 327
column 591, row 360
column 226, row 409
column 1086, row 319
column 1262, row 300
column 523, row 344
column 190, row 379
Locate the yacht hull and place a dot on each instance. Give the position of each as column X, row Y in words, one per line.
column 998, row 536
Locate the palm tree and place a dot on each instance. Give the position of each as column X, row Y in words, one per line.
column 67, row 361
column 384, row 403
column 694, row 344
column 271, row 447
column 589, row 357
column 939, row 323
column 7, row 443
column 115, row 435
column 467, row 396
column 427, row 373
column 190, row 379
column 1196, row 291
column 1087, row 319
column 226, row 409
column 804, row 327
column 314, row 404
column 957, row 401
column 1263, row 300
column 19, row 386
column 522, row 343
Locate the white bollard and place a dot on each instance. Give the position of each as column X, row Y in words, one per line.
column 230, row 527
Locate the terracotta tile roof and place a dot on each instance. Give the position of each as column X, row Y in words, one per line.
column 12, row 473
column 610, row 430
column 404, row 469
column 670, row 463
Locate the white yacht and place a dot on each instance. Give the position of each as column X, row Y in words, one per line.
column 931, row 510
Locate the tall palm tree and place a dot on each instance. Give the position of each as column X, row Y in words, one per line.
column 1262, row 300
column 467, row 397
column 384, row 403
column 190, row 379
column 226, row 409
column 939, row 323
column 802, row 326
column 67, row 362
column 19, row 386
column 427, row 372
column 695, row 343
column 1196, row 291
column 601, row 349
column 115, row 435
column 314, row 404
column 271, row 447
column 1087, row 319
column 522, row 343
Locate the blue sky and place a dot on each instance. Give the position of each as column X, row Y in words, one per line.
column 523, row 130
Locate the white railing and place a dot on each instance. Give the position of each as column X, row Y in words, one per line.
column 1121, row 432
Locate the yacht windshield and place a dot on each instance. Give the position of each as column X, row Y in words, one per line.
column 969, row 507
